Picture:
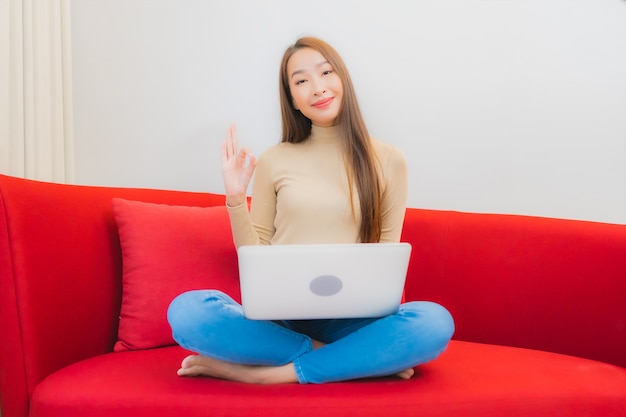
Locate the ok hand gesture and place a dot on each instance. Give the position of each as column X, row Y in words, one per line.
column 237, row 168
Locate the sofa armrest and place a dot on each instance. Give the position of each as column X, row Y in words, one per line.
column 60, row 277
column 548, row 284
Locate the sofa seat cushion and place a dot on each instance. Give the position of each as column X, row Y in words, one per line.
column 469, row 379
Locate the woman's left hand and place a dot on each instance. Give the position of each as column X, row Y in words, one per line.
column 237, row 168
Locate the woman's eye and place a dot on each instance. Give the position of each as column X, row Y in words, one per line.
column 300, row 82
column 327, row 72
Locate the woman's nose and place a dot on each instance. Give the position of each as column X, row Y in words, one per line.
column 319, row 88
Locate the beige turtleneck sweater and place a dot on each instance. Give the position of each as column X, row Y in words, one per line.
column 300, row 195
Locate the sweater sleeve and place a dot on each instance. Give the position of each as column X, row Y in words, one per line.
column 395, row 189
column 241, row 226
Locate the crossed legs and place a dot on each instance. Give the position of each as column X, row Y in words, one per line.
column 211, row 323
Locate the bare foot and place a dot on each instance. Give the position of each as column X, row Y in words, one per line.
column 406, row 374
column 198, row 365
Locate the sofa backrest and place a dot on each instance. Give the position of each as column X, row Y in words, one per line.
column 549, row 284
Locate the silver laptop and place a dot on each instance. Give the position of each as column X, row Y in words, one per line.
column 293, row 282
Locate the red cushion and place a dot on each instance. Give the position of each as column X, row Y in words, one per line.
column 167, row 250
column 468, row 379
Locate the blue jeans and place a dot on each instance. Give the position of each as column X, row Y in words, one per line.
column 212, row 324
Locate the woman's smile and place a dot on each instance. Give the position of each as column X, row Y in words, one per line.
column 323, row 103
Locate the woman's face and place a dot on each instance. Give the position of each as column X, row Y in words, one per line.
column 316, row 89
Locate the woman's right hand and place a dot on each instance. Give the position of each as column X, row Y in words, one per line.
column 237, row 168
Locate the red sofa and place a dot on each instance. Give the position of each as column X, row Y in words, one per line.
column 539, row 305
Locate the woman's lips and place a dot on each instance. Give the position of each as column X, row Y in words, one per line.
column 323, row 102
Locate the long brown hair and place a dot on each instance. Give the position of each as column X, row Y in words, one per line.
column 361, row 162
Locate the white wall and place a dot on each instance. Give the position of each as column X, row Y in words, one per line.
column 509, row 106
